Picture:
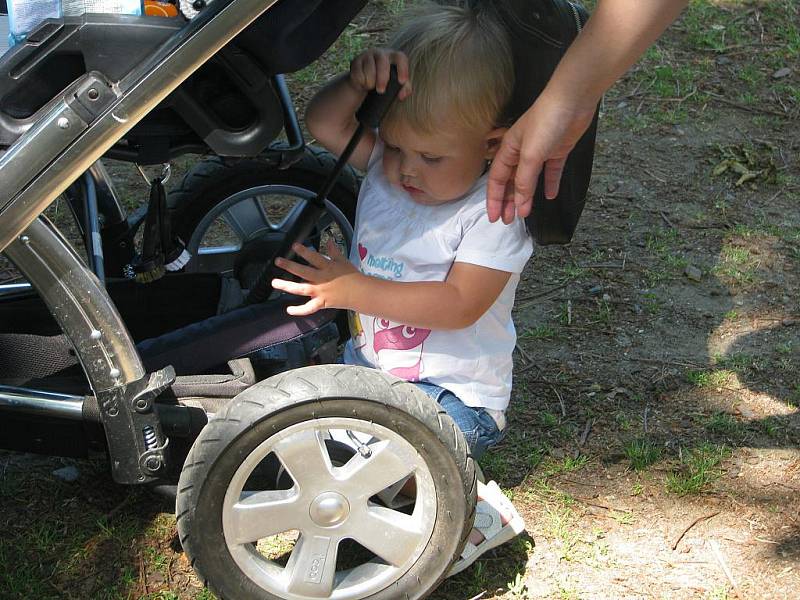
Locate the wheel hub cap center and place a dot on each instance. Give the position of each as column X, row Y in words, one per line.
column 329, row 509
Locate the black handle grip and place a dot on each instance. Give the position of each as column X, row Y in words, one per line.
column 375, row 105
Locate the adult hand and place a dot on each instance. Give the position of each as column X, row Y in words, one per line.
column 542, row 138
column 618, row 32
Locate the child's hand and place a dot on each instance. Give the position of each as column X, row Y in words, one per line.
column 328, row 281
column 370, row 71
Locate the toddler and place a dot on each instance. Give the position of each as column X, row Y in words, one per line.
column 430, row 280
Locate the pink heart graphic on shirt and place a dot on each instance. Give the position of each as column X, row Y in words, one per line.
column 362, row 251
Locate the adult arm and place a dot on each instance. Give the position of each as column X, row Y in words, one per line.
column 618, row 32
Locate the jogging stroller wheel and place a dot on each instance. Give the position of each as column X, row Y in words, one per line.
column 232, row 215
column 325, row 527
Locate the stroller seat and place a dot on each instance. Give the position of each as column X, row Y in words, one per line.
column 33, row 351
column 262, row 330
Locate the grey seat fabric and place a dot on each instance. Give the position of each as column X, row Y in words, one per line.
column 201, row 346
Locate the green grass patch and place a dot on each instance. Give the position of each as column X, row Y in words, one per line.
column 559, row 524
column 710, row 378
column 662, row 244
column 566, row 465
column 642, row 452
column 540, row 332
column 736, row 265
column 711, row 27
column 698, row 469
column 573, row 271
column 722, row 423
column 773, row 427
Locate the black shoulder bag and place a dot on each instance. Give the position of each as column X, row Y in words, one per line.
column 540, row 32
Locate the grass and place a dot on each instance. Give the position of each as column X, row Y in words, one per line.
column 540, row 332
column 722, row 423
column 566, row 465
column 710, row 378
column 642, row 453
column 698, row 469
column 662, row 245
column 559, row 524
column 652, row 303
column 736, row 265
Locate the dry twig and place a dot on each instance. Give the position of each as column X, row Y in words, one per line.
column 585, row 434
column 721, row 560
column 692, row 524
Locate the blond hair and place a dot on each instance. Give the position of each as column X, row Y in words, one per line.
column 460, row 66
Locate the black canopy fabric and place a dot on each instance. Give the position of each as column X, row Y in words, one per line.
column 291, row 34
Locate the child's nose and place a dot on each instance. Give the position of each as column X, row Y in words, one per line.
column 407, row 168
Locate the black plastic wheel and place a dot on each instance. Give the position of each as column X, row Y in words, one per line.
column 233, row 213
column 332, row 528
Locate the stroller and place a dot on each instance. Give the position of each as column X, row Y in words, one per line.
column 200, row 376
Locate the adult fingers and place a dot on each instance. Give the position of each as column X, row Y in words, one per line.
column 509, row 208
column 527, row 175
column 552, row 176
column 500, row 175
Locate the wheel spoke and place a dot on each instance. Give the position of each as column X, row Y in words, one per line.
column 306, row 458
column 263, row 514
column 312, row 566
column 390, row 534
column 286, row 223
column 247, row 218
column 216, row 259
column 387, row 464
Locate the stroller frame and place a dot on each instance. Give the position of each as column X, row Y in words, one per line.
column 401, row 432
column 78, row 127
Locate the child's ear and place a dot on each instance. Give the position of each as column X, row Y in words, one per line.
column 493, row 140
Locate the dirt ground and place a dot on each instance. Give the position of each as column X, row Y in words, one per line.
column 654, row 427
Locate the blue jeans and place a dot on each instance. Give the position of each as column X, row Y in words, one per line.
column 479, row 428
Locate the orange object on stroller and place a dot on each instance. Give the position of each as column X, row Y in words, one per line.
column 153, row 8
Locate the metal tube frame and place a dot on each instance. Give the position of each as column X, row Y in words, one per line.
column 65, row 142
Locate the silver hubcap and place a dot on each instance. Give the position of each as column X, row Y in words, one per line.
column 328, row 534
column 329, row 509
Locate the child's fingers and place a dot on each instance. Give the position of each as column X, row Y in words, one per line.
column 333, row 251
column 368, row 69
column 312, row 257
column 309, row 308
column 297, row 269
column 382, row 70
column 357, row 72
column 292, row 287
column 400, row 60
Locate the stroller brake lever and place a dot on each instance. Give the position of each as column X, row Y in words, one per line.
column 369, row 115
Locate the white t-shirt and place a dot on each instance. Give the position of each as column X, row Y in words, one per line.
column 400, row 240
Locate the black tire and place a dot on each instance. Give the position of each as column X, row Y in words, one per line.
column 301, row 398
column 212, row 180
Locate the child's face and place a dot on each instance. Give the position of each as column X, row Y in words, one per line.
column 436, row 168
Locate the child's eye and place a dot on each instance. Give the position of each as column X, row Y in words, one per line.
column 391, row 148
column 431, row 159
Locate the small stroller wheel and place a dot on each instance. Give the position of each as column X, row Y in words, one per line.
column 233, row 214
column 326, row 482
